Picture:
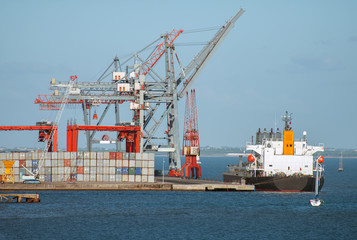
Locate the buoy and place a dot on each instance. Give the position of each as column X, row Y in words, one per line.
column 321, row 159
column 95, row 116
column 251, row 158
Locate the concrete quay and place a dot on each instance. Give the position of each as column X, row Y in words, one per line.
column 160, row 184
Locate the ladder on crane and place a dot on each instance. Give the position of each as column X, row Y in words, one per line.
column 34, row 175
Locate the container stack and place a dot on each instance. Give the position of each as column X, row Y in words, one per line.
column 84, row 166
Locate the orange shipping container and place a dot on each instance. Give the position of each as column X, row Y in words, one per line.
column 79, row 170
column 67, row 162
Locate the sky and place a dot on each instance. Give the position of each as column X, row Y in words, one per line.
column 296, row 56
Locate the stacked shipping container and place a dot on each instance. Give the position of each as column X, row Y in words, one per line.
column 85, row 166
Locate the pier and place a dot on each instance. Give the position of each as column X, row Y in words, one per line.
column 19, row 198
column 166, row 184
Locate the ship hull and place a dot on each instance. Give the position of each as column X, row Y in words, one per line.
column 287, row 184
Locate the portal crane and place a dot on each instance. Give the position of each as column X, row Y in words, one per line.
column 191, row 139
column 152, row 96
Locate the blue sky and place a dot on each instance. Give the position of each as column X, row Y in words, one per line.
column 299, row 56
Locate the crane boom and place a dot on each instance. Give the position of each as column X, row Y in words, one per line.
column 199, row 62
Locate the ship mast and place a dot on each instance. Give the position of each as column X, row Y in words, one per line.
column 287, row 119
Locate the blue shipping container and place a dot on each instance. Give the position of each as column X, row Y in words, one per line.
column 138, row 171
column 124, row 170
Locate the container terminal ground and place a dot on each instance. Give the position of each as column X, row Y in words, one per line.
column 160, row 184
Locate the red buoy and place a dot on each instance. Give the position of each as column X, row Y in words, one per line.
column 321, row 159
column 251, row 158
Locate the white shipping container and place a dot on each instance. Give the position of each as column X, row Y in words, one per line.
column 35, row 156
column 86, row 155
column 131, row 178
column 93, row 178
column 80, row 177
column 144, row 171
column 111, row 178
column 86, row 163
column 60, row 163
column 105, row 178
column 29, row 163
column 151, row 164
column 125, row 163
column 125, row 178
column 60, row 170
column 73, row 162
column 138, row 163
column 15, row 156
column 79, row 163
column 93, row 155
column 144, row 163
column 131, row 163
column 151, row 171
column 54, row 155
column 16, row 163
column 118, row 178
column 54, row 170
column 86, row 178
column 93, row 162
column 106, row 155
column 100, row 155
column 105, row 163
column 100, row 163
column 137, row 178
column 119, row 163
column 112, row 163
column 22, row 156
column 105, row 170
column 48, row 163
column 112, row 170
column 144, row 178
column 67, row 171
column 151, row 179
column 86, row 170
column 59, row 155
column 99, row 170
column 99, row 177
column 93, row 170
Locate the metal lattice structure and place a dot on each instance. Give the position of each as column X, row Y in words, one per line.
column 191, row 139
column 152, row 97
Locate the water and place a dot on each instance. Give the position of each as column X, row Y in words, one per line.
column 190, row 215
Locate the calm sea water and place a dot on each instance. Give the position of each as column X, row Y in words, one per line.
column 190, row 215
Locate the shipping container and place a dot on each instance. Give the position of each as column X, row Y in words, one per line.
column 132, row 171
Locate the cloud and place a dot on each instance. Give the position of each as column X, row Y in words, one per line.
column 312, row 64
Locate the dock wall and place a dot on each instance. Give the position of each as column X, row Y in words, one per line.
column 84, row 166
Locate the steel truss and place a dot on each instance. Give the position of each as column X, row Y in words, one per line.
column 152, row 97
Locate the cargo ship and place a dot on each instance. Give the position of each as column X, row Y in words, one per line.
column 279, row 164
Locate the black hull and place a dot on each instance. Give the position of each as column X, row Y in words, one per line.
column 288, row 184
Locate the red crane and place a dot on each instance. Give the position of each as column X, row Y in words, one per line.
column 191, row 140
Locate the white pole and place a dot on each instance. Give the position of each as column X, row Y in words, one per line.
column 163, row 171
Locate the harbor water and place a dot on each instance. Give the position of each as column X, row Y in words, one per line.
column 190, row 215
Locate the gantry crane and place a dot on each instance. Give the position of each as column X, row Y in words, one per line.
column 152, row 97
column 191, row 139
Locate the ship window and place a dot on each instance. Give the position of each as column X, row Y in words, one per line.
column 306, row 166
column 270, row 165
column 291, row 145
column 288, row 168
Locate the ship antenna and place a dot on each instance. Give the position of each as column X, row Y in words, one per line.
column 287, row 119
